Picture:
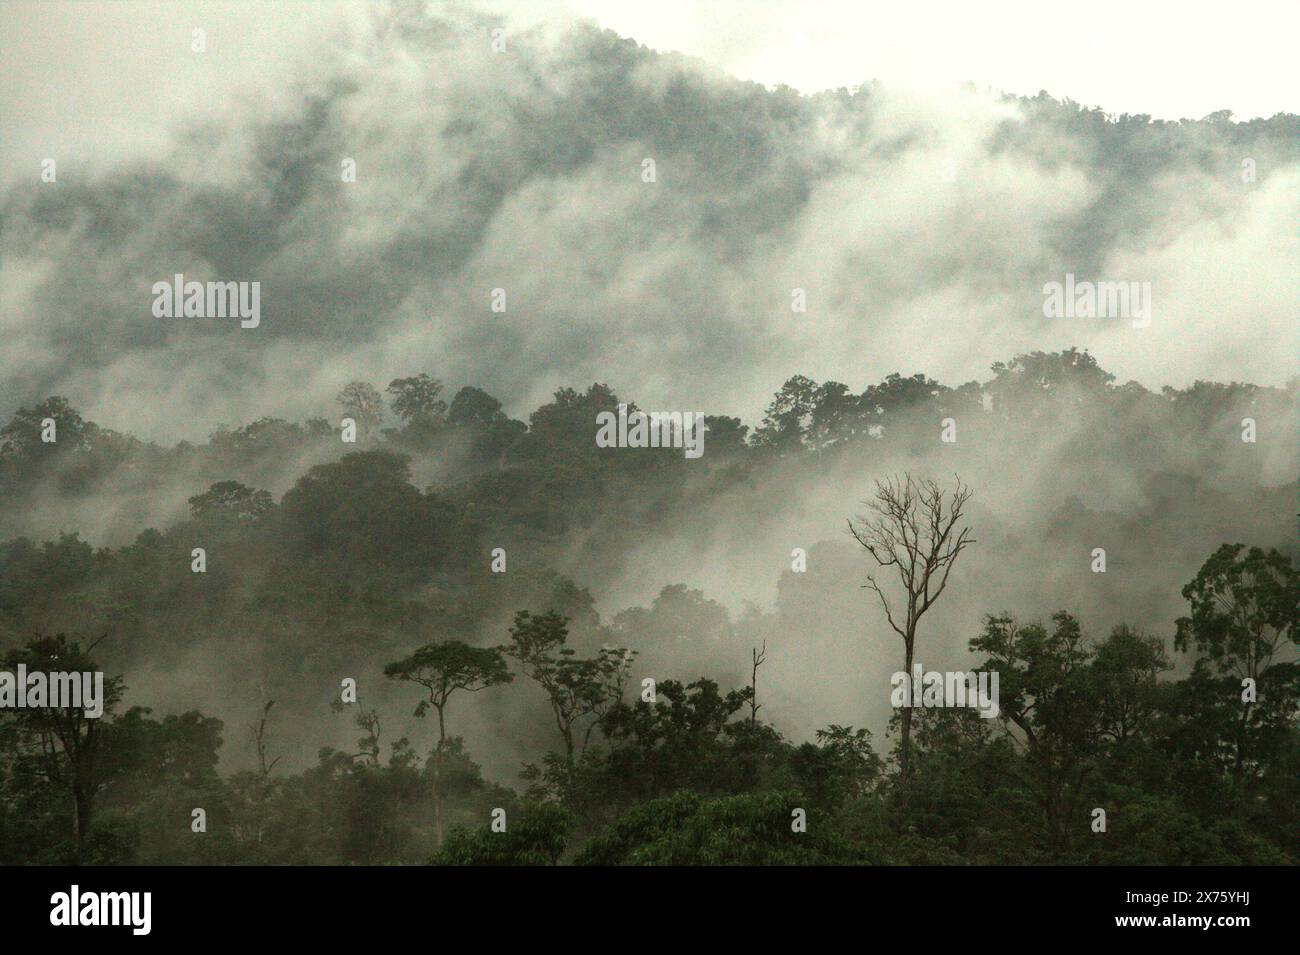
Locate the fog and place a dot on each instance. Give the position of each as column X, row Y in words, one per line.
column 921, row 225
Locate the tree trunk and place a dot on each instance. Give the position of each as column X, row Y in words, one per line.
column 568, row 751
column 1241, row 742
column 81, row 818
column 566, row 733
column 437, row 780
column 907, row 714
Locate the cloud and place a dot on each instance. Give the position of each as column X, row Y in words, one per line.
column 921, row 224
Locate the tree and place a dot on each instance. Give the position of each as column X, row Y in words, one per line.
column 687, row 829
column 896, row 394
column 161, row 770
column 62, row 743
column 840, row 765
column 537, row 837
column 230, row 499
column 362, row 402
column 258, row 735
column 836, row 416
column 1244, row 609
column 363, row 510
column 576, row 688
column 416, row 397
column 474, row 407
column 685, row 739
column 22, row 435
column 1048, row 691
column 486, row 430
column 911, row 529
column 1244, row 612
column 757, row 658
column 442, row 669
column 563, row 427
column 1127, row 666
column 787, row 419
column 726, row 435
column 1024, row 385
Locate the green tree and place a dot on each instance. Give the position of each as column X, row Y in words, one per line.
column 21, row 437
column 578, row 689
column 64, row 744
column 683, row 740
column 1244, row 613
column 362, row 402
column 840, row 765
column 416, row 397
column 442, row 669
column 363, row 512
column 1126, row 668
column 1048, row 692
column 231, row 499
column 789, row 418
column 474, row 407
column 537, row 836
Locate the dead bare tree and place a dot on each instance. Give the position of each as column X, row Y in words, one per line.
column 759, row 657
column 259, row 741
column 262, row 788
column 910, row 528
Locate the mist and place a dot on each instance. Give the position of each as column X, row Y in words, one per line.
column 845, row 235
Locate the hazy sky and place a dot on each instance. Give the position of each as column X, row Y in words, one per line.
column 64, row 60
column 1170, row 60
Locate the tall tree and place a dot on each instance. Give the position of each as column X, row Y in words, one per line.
column 1052, row 695
column 22, row 436
column 362, row 402
column 1127, row 666
column 757, row 659
column 474, row 406
column 577, row 688
column 1244, row 612
column 416, row 397
column 911, row 528
column 787, row 419
column 63, row 744
column 442, row 669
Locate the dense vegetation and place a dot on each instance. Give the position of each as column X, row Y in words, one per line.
column 355, row 573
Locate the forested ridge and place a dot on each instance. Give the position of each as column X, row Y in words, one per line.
column 454, row 564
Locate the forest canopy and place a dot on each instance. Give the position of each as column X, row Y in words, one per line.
column 404, row 648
